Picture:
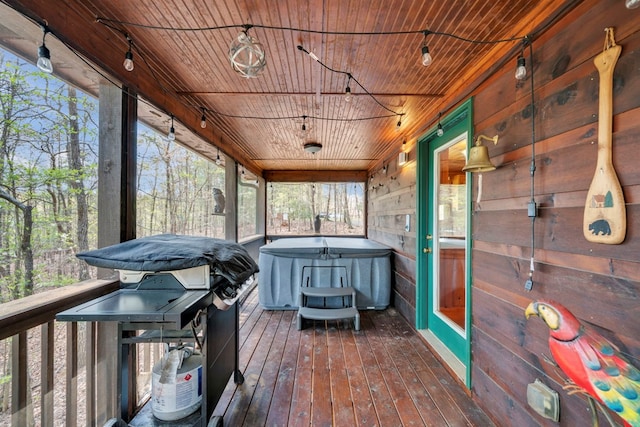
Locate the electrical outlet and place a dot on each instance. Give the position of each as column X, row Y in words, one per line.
column 543, row 400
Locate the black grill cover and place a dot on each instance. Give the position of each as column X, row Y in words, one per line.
column 166, row 252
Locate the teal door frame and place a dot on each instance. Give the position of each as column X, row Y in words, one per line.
column 454, row 124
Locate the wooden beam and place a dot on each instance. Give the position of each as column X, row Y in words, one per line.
column 405, row 95
column 315, row 176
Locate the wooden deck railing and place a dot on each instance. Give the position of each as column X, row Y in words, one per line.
column 17, row 318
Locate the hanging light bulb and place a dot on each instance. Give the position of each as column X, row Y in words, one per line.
column 44, row 56
column 440, row 130
column 347, row 91
column 171, row 136
column 203, row 119
column 425, row 55
column 304, row 131
column 398, row 125
column 521, row 69
column 128, row 57
column 218, row 159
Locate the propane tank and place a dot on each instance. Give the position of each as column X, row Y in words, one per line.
column 176, row 385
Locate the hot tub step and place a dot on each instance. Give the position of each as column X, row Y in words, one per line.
column 329, row 314
column 327, row 292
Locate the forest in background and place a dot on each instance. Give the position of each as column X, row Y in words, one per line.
column 48, row 187
column 48, row 182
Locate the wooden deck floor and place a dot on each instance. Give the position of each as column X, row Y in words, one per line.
column 331, row 375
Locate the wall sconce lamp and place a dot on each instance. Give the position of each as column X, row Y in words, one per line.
column 403, row 157
column 479, row 156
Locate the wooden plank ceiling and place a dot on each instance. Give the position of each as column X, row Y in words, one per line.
column 258, row 121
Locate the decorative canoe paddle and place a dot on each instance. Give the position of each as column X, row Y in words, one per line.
column 605, row 219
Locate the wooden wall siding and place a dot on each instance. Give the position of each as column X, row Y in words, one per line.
column 599, row 283
column 392, row 196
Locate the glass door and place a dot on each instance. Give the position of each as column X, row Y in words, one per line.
column 443, row 311
column 448, row 235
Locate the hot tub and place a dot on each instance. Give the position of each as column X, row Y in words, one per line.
column 287, row 264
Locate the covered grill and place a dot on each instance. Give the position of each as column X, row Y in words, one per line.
column 168, row 283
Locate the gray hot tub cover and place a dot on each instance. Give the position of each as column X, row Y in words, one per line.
column 166, row 252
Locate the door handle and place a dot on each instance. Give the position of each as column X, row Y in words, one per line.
column 426, row 250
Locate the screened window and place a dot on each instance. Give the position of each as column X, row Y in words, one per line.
column 315, row 208
column 247, row 204
column 48, row 179
column 179, row 192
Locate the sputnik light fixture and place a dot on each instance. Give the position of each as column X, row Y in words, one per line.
column 247, row 55
column 44, row 56
column 128, row 57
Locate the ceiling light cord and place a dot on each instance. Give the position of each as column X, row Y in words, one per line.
column 106, row 21
column 351, row 77
column 532, row 209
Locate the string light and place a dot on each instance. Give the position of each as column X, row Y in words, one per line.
column 351, row 77
column 171, row 136
column 521, row 69
column 398, row 125
column 347, row 91
column 203, row 119
column 440, row 130
column 218, row 159
column 424, row 52
column 128, row 57
column 44, row 56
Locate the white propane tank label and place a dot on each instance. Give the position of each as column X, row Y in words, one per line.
column 177, row 396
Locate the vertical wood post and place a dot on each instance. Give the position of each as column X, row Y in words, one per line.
column 231, row 203
column 46, row 369
column 72, row 375
column 116, row 221
column 19, row 389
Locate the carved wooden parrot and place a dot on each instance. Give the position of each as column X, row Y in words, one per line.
column 592, row 362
